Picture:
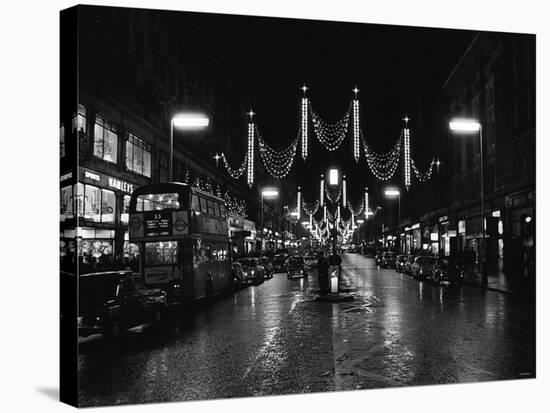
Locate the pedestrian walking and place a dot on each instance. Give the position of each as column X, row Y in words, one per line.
column 322, row 269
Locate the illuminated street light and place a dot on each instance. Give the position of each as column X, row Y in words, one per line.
column 186, row 121
column 360, row 221
column 333, row 176
column 392, row 193
column 464, row 125
column 469, row 126
column 266, row 193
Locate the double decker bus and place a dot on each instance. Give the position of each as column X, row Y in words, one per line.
column 183, row 238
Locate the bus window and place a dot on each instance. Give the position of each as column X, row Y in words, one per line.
column 195, row 204
column 223, row 211
column 218, row 212
column 203, row 205
column 157, row 202
column 211, row 208
column 160, row 253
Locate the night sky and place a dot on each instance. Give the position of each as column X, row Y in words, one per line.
column 398, row 70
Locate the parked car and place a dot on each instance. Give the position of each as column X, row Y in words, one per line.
column 422, row 267
column 113, row 301
column 310, row 261
column 400, row 262
column 447, row 270
column 266, row 263
column 279, row 261
column 295, row 267
column 241, row 277
column 254, row 269
column 388, row 259
column 408, row 263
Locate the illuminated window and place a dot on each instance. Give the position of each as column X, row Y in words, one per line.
column 79, row 119
column 66, row 203
column 61, row 140
column 125, row 209
column 105, row 139
column 138, row 155
column 99, row 204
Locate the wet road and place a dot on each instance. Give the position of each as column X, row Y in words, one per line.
column 275, row 339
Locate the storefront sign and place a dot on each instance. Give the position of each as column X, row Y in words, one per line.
column 415, row 226
column 107, row 181
column 66, row 176
column 434, row 236
column 451, row 233
column 461, row 226
column 120, row 185
column 444, row 218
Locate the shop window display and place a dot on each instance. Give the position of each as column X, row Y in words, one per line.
column 99, row 204
column 138, row 155
column 105, row 139
column 66, row 204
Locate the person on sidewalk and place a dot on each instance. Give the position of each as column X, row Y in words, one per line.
column 322, row 270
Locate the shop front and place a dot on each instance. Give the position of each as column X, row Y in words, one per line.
column 100, row 202
column 250, row 240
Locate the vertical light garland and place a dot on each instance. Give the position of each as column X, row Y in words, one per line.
column 344, row 192
column 338, row 215
column 304, row 126
column 322, row 191
column 325, row 213
column 311, row 222
column 366, row 202
column 356, row 147
column 407, row 160
column 250, row 172
column 299, row 202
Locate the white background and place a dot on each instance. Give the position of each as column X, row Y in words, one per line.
column 29, row 76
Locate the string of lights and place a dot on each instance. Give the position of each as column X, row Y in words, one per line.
column 356, row 131
column 423, row 176
column 235, row 173
column 383, row 166
column 356, row 212
column 250, row 156
column 331, row 135
column 311, row 209
column 407, row 157
column 277, row 163
column 305, row 106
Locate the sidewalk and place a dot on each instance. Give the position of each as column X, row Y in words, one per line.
column 498, row 281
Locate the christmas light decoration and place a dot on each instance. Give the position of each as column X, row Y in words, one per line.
column 383, row 166
column 304, row 124
column 250, row 177
column 366, row 202
column 407, row 158
column 310, row 209
column 344, row 199
column 356, row 145
column 423, row 176
column 330, row 135
column 235, row 173
column 277, row 162
column 299, row 202
column 322, row 190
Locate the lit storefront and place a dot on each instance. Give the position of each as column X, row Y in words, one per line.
column 249, row 240
column 100, row 202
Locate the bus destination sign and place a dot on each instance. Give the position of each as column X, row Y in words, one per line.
column 157, row 223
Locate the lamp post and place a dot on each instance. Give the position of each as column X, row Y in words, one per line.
column 391, row 193
column 266, row 193
column 333, row 180
column 186, row 121
column 469, row 126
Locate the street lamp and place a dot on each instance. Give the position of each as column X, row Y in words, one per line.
column 392, row 193
column 266, row 193
column 469, row 126
column 186, row 121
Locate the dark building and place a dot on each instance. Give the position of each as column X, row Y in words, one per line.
column 493, row 82
column 136, row 69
